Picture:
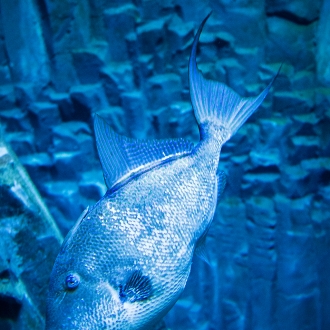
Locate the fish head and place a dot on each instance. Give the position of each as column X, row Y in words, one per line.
column 99, row 291
column 81, row 300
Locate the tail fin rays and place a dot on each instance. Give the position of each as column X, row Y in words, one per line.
column 217, row 103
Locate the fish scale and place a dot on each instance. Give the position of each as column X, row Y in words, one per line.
column 127, row 260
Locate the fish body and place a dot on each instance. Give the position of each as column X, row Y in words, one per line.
column 127, row 260
column 149, row 225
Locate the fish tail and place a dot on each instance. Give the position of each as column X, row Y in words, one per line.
column 215, row 104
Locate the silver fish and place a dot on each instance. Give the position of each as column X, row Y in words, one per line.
column 127, row 259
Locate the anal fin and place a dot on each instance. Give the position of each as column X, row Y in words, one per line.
column 200, row 250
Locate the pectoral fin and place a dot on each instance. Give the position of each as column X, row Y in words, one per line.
column 137, row 287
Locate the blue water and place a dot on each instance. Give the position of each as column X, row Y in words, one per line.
column 128, row 61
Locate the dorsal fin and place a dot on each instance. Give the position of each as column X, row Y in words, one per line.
column 122, row 157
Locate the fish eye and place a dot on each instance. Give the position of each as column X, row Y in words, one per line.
column 72, row 281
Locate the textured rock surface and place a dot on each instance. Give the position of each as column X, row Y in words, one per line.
column 323, row 45
column 30, row 241
column 127, row 61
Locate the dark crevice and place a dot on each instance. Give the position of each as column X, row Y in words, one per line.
column 221, row 43
column 46, row 28
column 13, row 205
column 291, row 17
column 265, row 170
column 178, row 11
column 325, row 178
column 159, row 42
column 5, row 274
column 155, row 124
column 9, row 307
column 81, row 111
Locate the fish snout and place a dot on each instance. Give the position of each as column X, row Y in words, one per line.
column 85, row 306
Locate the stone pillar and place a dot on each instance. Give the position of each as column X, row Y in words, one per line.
column 262, row 260
column 30, row 241
column 323, row 45
column 24, row 42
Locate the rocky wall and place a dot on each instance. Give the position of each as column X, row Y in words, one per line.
column 29, row 242
column 62, row 61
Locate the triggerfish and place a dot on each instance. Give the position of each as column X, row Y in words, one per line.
column 127, row 259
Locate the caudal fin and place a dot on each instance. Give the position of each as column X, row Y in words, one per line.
column 216, row 103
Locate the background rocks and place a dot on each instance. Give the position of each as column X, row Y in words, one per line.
column 29, row 243
column 63, row 61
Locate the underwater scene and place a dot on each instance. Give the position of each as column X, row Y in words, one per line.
column 110, row 164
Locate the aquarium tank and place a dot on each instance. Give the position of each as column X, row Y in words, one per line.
column 64, row 61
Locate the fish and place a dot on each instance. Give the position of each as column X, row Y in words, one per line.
column 126, row 261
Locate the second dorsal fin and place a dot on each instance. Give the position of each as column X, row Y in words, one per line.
column 122, row 157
